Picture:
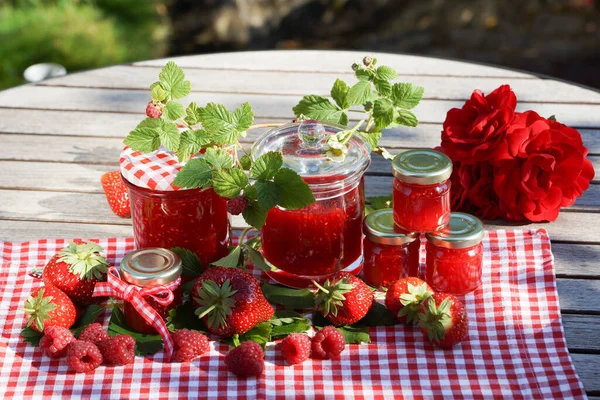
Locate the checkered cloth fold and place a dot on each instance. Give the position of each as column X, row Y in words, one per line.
column 155, row 170
column 516, row 346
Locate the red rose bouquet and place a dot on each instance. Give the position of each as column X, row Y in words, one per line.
column 516, row 166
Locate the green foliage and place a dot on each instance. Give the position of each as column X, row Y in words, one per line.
column 77, row 34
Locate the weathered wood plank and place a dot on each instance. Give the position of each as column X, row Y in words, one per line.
column 579, row 260
column 582, row 332
column 299, row 84
column 580, row 291
column 318, row 61
column 265, row 106
column 588, row 369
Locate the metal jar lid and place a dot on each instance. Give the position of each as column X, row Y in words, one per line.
column 379, row 227
column 152, row 266
column 463, row 230
column 422, row 167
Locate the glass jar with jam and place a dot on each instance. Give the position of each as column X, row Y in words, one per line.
column 314, row 242
column 454, row 255
column 166, row 216
column 421, row 190
column 390, row 253
column 148, row 268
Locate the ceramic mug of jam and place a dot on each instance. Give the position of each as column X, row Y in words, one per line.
column 421, row 190
column 314, row 242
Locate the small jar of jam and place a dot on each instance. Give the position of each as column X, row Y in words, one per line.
column 166, row 216
column 147, row 268
column 313, row 242
column 390, row 253
column 421, row 190
column 455, row 255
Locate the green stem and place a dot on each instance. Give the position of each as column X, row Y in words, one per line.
column 244, row 233
column 208, row 310
column 320, row 287
column 369, row 122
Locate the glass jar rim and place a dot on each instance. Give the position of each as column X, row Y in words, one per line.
column 462, row 231
column 152, row 266
column 379, row 227
column 422, row 167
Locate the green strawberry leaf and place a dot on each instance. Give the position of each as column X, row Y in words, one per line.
column 215, row 118
column 295, row 299
column 406, row 95
column 191, row 113
column 197, row 173
column 232, row 260
column 157, row 92
column 218, row 158
column 359, row 93
column 363, row 75
column 267, row 165
column 169, row 135
column 407, row 118
column 379, row 202
column 339, row 93
column 383, row 113
column 260, row 334
column 190, row 262
column 143, row 139
column 256, row 258
column 172, row 81
column 386, row 73
column 253, row 214
column 295, row 193
column 30, row 336
column 229, row 183
column 283, row 326
column 190, row 143
column 246, row 162
column 269, row 194
column 184, row 317
column 173, row 111
column 243, row 117
column 355, row 335
column 320, row 109
column 378, row 315
column 372, row 138
column 145, row 344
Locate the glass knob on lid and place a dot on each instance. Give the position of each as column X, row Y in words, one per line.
column 152, row 266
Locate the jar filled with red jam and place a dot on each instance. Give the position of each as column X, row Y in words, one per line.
column 312, row 243
column 167, row 216
column 421, row 190
column 455, row 255
column 389, row 252
column 149, row 268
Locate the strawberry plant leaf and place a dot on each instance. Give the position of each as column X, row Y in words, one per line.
column 218, row 158
column 267, row 165
column 339, row 93
column 372, row 138
column 215, row 118
column 143, row 139
column 295, row 193
column 321, row 109
column 407, row 118
column 256, row 258
column 379, row 202
column 191, row 113
column 232, row 260
column 383, row 87
column 173, row 111
column 363, row 75
column 229, row 183
column 378, row 315
column 260, row 334
column 197, row 173
column 282, row 327
column 354, row 335
column 359, row 93
column 30, row 336
column 190, row 262
column 243, row 117
column 386, row 73
column 184, row 317
column 172, row 81
column 406, row 95
column 246, row 162
column 145, row 344
column 253, row 214
column 190, row 143
column 268, row 194
column 169, row 135
column 157, row 92
column 295, row 299
column 383, row 112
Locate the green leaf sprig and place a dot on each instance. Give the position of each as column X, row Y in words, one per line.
column 384, row 105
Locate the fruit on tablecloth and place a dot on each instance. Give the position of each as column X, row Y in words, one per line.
column 344, row 299
column 83, row 356
column 237, row 205
column 94, row 333
column 328, row 343
column 153, row 110
column 296, row 348
column 443, row 320
column 55, row 341
column 404, row 297
column 76, row 269
column 189, row 344
column 49, row 306
column 230, row 301
column 118, row 350
column 246, row 360
column 116, row 193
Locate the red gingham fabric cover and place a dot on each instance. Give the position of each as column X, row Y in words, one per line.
column 516, row 346
column 155, row 170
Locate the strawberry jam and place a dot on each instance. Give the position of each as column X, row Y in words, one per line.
column 455, row 255
column 389, row 253
column 193, row 219
column 421, row 190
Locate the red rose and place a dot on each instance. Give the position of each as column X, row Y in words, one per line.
column 473, row 190
column 476, row 132
column 549, row 169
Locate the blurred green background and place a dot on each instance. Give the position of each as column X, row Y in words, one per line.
column 555, row 37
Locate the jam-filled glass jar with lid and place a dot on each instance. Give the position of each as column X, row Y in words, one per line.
column 313, row 242
column 389, row 252
column 167, row 216
column 421, row 190
column 455, row 255
column 149, row 268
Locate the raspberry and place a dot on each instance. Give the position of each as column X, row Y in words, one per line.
column 189, row 344
column 55, row 341
column 94, row 333
column 296, row 348
column 236, row 205
column 118, row 350
column 83, row 356
column 153, row 111
column 246, row 360
column 328, row 343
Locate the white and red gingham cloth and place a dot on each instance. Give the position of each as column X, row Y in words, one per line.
column 516, row 346
column 155, row 170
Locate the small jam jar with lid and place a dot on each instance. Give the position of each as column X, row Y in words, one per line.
column 313, row 242
column 147, row 268
column 167, row 216
column 455, row 255
column 390, row 254
column 421, row 190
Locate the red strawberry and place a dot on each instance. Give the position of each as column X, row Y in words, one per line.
column 116, row 193
column 443, row 319
column 230, row 301
column 344, row 299
column 49, row 306
column 75, row 270
column 404, row 297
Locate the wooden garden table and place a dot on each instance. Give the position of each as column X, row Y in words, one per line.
column 59, row 136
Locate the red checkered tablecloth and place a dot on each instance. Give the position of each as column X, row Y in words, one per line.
column 516, row 346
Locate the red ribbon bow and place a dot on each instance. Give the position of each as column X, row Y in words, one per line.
column 135, row 295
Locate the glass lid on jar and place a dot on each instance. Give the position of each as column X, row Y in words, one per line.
column 304, row 147
column 422, row 167
column 379, row 227
column 463, row 230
